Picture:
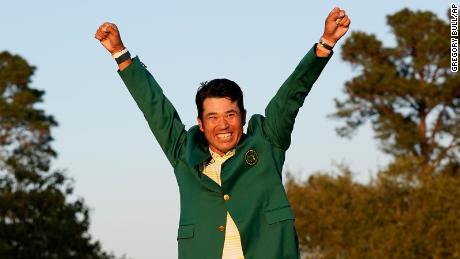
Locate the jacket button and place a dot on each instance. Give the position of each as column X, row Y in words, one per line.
column 226, row 197
column 221, row 228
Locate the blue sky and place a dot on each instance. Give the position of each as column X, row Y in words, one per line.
column 103, row 141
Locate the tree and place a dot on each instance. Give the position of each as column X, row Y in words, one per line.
column 412, row 101
column 38, row 217
column 407, row 92
column 339, row 218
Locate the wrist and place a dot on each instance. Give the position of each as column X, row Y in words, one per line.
column 121, row 56
column 326, row 43
column 321, row 51
column 117, row 49
column 117, row 54
column 329, row 39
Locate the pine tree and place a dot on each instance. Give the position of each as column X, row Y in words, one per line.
column 412, row 101
column 39, row 218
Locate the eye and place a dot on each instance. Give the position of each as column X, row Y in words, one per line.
column 231, row 115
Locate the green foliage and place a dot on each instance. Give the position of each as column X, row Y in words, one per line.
column 339, row 218
column 412, row 101
column 406, row 92
column 37, row 217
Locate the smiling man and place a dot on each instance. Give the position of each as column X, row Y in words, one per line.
column 221, row 114
column 233, row 203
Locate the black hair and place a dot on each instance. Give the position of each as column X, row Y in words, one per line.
column 222, row 88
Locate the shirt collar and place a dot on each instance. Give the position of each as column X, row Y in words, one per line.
column 217, row 157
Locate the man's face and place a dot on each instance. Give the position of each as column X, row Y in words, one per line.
column 221, row 124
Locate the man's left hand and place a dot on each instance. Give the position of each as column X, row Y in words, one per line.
column 336, row 25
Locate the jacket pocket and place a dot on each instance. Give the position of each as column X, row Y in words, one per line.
column 279, row 214
column 185, row 231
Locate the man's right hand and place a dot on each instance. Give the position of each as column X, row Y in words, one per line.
column 109, row 36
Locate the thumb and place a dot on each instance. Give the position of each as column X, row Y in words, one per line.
column 335, row 14
column 109, row 28
column 112, row 28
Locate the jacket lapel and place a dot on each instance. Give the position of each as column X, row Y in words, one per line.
column 197, row 155
column 231, row 166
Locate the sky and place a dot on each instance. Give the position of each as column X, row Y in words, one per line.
column 103, row 141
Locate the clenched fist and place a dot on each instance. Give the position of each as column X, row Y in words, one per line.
column 336, row 25
column 109, row 36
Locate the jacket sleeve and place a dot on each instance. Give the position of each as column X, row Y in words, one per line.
column 160, row 114
column 282, row 110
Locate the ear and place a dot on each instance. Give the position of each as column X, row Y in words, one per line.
column 200, row 124
column 243, row 118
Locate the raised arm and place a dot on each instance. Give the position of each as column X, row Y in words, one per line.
column 282, row 110
column 160, row 114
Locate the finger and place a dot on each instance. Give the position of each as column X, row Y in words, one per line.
column 113, row 25
column 106, row 24
column 343, row 20
column 338, row 14
column 346, row 21
column 100, row 35
column 99, row 29
column 336, row 9
column 112, row 28
column 105, row 27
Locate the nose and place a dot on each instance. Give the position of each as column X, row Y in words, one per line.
column 223, row 123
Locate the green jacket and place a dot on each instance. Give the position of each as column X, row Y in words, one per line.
column 252, row 177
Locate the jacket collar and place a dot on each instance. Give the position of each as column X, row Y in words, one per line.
column 199, row 150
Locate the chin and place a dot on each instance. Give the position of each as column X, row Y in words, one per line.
column 227, row 147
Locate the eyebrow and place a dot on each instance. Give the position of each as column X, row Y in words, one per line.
column 227, row 112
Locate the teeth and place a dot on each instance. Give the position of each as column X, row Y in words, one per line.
column 224, row 136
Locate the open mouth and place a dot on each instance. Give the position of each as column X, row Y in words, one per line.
column 224, row 136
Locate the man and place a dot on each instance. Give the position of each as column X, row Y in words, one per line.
column 233, row 204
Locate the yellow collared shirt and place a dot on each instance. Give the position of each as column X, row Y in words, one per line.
column 232, row 244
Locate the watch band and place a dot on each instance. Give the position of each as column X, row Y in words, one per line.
column 325, row 44
column 125, row 56
column 119, row 53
